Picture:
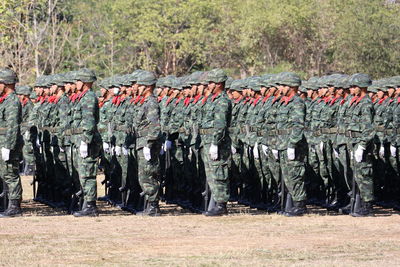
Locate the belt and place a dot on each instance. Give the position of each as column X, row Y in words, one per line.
column 352, row 134
column 253, row 129
column 206, row 131
column 49, row 129
column 143, row 133
column 260, row 133
column 380, row 129
column 329, row 130
column 341, row 131
column 73, row 131
column 284, row 132
column 272, row 133
column 3, row 130
column 122, row 128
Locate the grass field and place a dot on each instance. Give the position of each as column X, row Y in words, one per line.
column 247, row 237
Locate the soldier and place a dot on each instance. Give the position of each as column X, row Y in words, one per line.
column 23, row 93
column 216, row 141
column 361, row 134
column 291, row 142
column 10, row 142
column 86, row 140
column 148, row 142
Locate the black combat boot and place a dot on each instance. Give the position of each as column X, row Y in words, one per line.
column 153, row 209
column 218, row 210
column 298, row 209
column 364, row 211
column 13, row 210
column 88, row 210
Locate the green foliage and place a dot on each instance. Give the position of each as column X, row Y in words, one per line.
column 246, row 37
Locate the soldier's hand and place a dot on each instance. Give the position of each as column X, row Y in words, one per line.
column 275, row 153
column 83, row 150
column 233, row 150
column 213, row 152
column 321, row 147
column 255, row 151
column 291, row 153
column 167, row 145
column 106, row 147
column 125, row 151
column 265, row 149
column 382, row 152
column 336, row 153
column 118, row 151
column 393, row 151
column 5, row 153
column 147, row 153
column 358, row 154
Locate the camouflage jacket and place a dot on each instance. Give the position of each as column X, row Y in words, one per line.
column 290, row 122
column 11, row 116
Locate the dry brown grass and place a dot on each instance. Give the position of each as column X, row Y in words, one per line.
column 47, row 237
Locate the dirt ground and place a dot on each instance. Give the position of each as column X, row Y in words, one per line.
column 246, row 237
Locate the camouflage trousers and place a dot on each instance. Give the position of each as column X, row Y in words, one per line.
column 86, row 169
column 149, row 173
column 9, row 172
column 362, row 172
column 293, row 174
column 217, row 171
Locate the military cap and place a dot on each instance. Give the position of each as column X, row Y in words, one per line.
column 115, row 81
column 176, row 84
column 236, row 85
column 146, row 78
column 264, row 80
column 289, row 79
column 33, row 95
column 134, row 75
column 254, row 83
column 70, row 77
column 393, row 82
column 217, row 76
column 331, row 80
column 245, row 83
column 340, row 81
column 57, row 79
column 86, row 75
column 228, row 82
column 273, row 80
column 203, row 78
column 313, row 83
column 373, row 88
column 169, row 81
column 160, row 82
column 185, row 82
column 41, row 81
column 8, row 76
column 303, row 87
column 126, row 79
column 360, row 80
column 23, row 90
column 194, row 78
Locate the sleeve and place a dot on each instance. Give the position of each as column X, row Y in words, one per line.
column 222, row 115
column 153, row 118
column 298, row 115
column 13, row 119
column 89, row 113
column 367, row 120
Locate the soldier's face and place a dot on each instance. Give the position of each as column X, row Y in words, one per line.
column 236, row 94
column 285, row 90
column 331, row 90
column 46, row 91
column 263, row 90
column 309, row 93
column 194, row 90
column 200, row 89
column 397, row 91
column 158, row 91
column 357, row 90
column 380, row 94
column 53, row 89
column 79, row 85
column 272, row 90
column 2, row 87
column 211, row 86
column 141, row 89
column 390, row 92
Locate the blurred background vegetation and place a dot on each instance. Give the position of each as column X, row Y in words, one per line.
column 245, row 37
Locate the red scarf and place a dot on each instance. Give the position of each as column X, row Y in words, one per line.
column 381, row 101
column 359, row 99
column 213, row 97
column 354, row 99
column 142, row 100
column 196, row 99
column 159, row 99
column 204, row 100
column 178, row 100
column 334, row 100
column 187, row 101
column 238, row 100
column 265, row 99
column 255, row 101
column 3, row 98
column 287, row 99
